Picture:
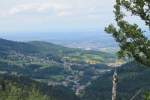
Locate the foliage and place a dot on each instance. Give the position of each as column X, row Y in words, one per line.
column 14, row 92
column 147, row 96
column 131, row 38
column 132, row 78
column 23, row 88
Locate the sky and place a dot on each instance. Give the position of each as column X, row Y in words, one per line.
column 32, row 16
column 45, row 19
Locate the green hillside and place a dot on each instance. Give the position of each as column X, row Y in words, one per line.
column 52, row 51
column 132, row 78
column 58, row 72
column 23, row 88
column 71, row 54
column 52, row 64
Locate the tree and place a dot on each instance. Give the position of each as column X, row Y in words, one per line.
column 147, row 96
column 36, row 95
column 14, row 92
column 130, row 37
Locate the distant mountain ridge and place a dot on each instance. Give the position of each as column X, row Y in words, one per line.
column 7, row 47
column 85, row 40
column 39, row 48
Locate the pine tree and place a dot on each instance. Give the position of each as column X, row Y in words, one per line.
column 132, row 41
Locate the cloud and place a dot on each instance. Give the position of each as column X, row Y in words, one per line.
column 59, row 8
column 34, row 8
column 54, row 15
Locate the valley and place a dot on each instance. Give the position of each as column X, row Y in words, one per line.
column 53, row 64
column 86, row 74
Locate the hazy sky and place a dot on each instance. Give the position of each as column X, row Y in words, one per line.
column 54, row 15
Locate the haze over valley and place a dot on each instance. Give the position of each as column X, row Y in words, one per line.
column 84, row 40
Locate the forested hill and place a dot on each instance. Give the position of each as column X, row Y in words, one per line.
column 23, row 88
column 57, row 66
column 132, row 78
column 52, row 51
column 52, row 64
